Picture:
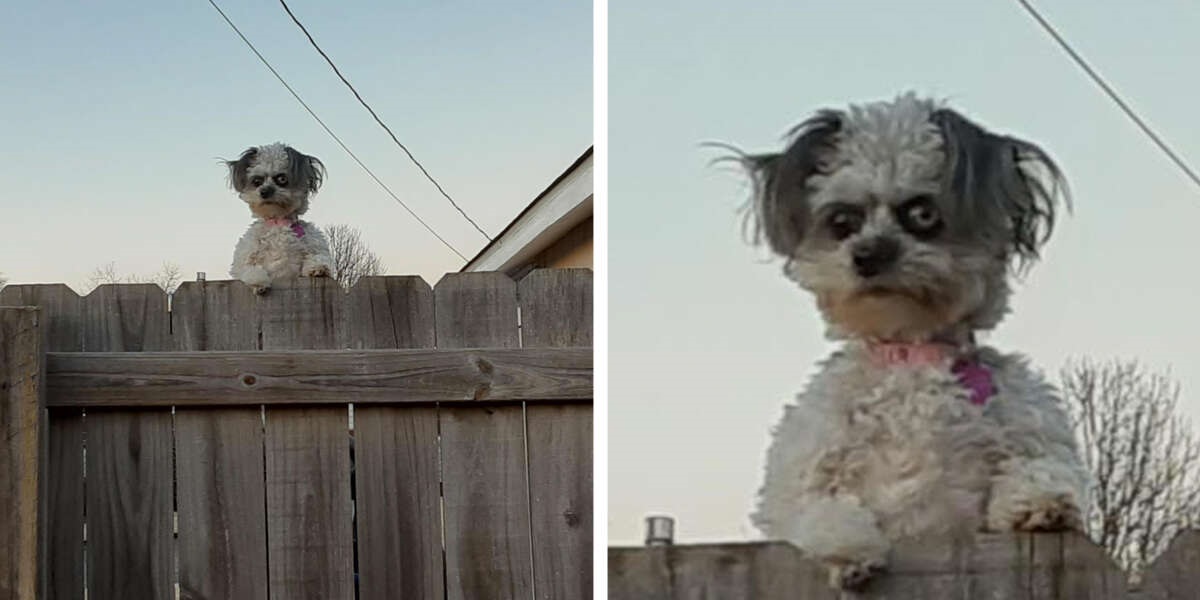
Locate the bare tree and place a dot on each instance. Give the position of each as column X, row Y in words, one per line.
column 352, row 259
column 1142, row 454
column 168, row 277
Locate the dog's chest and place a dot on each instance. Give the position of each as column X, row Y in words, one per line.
column 277, row 247
column 902, row 427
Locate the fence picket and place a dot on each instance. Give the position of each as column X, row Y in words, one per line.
column 485, row 486
column 556, row 311
column 396, row 453
column 1176, row 574
column 129, row 525
column 308, row 504
column 129, row 496
column 219, row 456
column 62, row 527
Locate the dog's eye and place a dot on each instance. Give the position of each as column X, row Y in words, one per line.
column 256, row 180
column 920, row 216
column 845, row 221
column 281, row 180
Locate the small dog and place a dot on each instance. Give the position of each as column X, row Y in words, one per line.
column 276, row 181
column 904, row 218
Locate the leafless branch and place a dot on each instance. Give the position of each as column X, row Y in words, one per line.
column 168, row 277
column 1142, row 454
column 352, row 258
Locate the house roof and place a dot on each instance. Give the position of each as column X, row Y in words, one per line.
column 565, row 203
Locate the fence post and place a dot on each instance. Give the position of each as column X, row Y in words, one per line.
column 22, row 425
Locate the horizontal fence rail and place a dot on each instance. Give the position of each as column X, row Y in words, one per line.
column 1044, row 566
column 313, row 377
column 395, row 440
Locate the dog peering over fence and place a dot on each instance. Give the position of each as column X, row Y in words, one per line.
column 208, row 446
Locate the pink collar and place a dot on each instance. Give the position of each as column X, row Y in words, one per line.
column 972, row 374
column 296, row 227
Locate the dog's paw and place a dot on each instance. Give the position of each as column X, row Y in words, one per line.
column 1054, row 516
column 854, row 576
column 316, row 271
column 1051, row 513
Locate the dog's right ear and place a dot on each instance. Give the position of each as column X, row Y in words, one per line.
column 779, row 208
column 238, row 168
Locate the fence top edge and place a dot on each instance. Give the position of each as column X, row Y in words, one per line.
column 189, row 284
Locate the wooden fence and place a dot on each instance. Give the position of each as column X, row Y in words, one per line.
column 395, row 441
column 1000, row 567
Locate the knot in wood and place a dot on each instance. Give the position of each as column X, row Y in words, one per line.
column 249, row 379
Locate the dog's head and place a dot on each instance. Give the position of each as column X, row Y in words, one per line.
column 904, row 218
column 275, row 180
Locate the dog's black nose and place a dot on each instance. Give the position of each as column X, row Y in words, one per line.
column 874, row 256
column 266, row 192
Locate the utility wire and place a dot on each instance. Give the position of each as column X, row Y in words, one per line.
column 1112, row 93
column 381, row 123
column 332, row 134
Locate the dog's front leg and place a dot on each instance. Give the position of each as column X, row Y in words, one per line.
column 1041, row 494
column 317, row 259
column 840, row 533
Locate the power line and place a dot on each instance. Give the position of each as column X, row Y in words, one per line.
column 332, row 134
column 381, row 123
column 1112, row 93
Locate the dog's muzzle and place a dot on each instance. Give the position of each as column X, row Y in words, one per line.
column 266, row 192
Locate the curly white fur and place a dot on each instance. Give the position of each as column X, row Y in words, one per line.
column 275, row 181
column 873, row 452
column 268, row 253
column 870, row 454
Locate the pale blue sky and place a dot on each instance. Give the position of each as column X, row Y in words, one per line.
column 114, row 113
column 708, row 341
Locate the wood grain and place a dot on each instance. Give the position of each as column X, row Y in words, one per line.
column 238, row 378
column 220, row 468
column 556, row 308
column 61, row 312
column 485, row 478
column 22, row 427
column 556, row 311
column 65, row 505
column 1175, row 574
column 303, row 314
column 398, row 495
column 399, row 510
column 222, row 519
column 560, row 484
column 130, row 538
column 389, row 312
column 216, row 315
column 476, row 310
column 308, row 504
column 126, row 318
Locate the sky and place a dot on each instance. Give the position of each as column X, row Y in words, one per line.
column 115, row 114
column 708, row 341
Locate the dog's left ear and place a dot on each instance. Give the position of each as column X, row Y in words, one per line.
column 302, row 167
column 1004, row 185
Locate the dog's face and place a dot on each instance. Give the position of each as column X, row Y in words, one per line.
column 275, row 180
column 904, row 218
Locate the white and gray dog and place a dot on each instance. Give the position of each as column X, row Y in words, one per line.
column 276, row 181
column 904, row 219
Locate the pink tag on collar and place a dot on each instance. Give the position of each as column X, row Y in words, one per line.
column 977, row 378
column 296, row 227
column 972, row 374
